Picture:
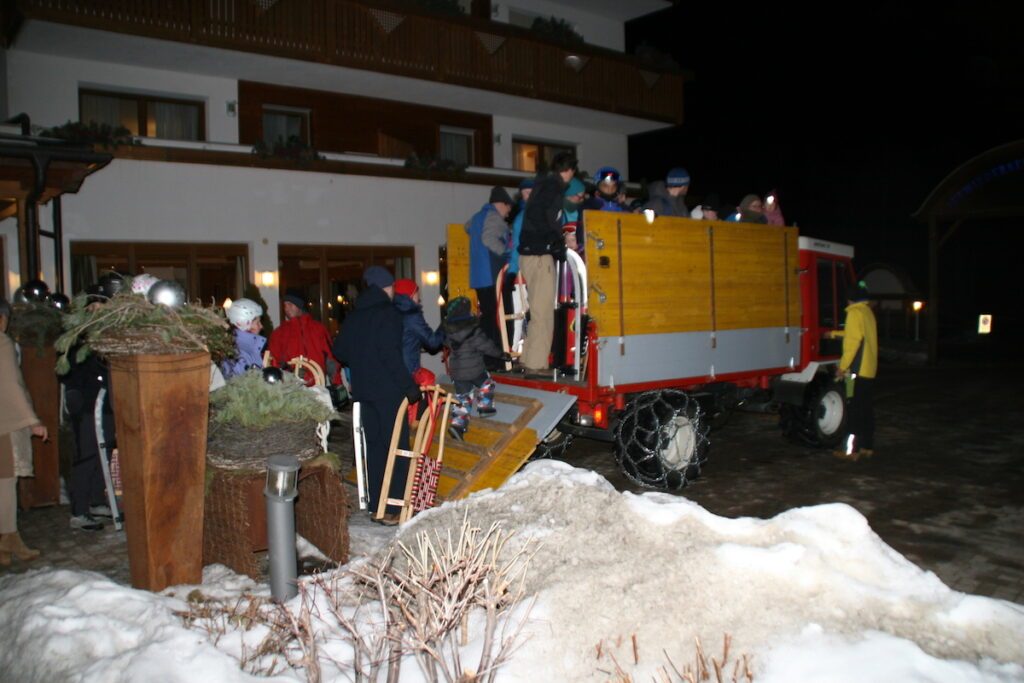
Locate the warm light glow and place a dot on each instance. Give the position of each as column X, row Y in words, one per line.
column 649, row 215
column 771, row 199
column 430, row 277
column 227, row 303
column 267, row 278
column 341, row 299
column 599, row 415
column 985, row 323
column 440, row 301
column 918, row 305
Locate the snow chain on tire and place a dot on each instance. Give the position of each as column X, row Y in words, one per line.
column 647, row 449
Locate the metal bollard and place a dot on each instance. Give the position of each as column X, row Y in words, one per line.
column 281, row 490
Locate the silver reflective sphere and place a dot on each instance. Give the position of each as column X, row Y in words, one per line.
column 167, row 293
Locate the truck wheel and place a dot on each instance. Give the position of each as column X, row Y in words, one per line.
column 821, row 420
column 661, row 440
column 553, row 446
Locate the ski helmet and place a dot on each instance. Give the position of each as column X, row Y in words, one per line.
column 243, row 311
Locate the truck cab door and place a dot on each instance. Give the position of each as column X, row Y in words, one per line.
column 834, row 278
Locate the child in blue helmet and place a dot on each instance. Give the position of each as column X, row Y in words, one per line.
column 467, row 345
column 608, row 187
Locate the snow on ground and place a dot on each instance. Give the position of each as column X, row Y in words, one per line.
column 810, row 595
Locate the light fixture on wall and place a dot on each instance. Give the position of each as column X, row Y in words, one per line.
column 266, row 278
column 430, row 277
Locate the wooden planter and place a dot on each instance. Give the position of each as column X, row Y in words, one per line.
column 43, row 488
column 160, row 409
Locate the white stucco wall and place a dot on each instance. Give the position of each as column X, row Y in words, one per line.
column 593, row 148
column 161, row 201
column 46, row 88
column 595, row 29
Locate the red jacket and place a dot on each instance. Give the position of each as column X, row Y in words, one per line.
column 303, row 336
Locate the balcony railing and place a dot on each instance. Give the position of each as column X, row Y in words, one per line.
column 392, row 39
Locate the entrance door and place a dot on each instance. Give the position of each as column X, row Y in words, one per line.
column 329, row 276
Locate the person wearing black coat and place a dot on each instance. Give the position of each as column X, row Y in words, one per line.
column 370, row 344
column 540, row 243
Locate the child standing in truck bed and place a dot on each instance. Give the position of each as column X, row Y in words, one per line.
column 467, row 345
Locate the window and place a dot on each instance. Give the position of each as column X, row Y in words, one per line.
column 456, row 145
column 209, row 272
column 144, row 115
column 281, row 124
column 535, row 157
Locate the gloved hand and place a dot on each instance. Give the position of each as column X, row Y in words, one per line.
column 414, row 395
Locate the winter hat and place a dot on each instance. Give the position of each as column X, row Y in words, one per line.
column 405, row 287
column 860, row 292
column 500, row 195
column 294, row 296
column 526, row 184
column 747, row 201
column 677, row 177
column 460, row 308
column 575, row 187
column 378, row 276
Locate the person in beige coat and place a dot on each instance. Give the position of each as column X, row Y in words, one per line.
column 18, row 423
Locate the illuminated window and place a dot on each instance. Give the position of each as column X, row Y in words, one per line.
column 535, row 157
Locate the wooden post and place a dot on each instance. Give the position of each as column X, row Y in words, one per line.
column 37, row 367
column 160, row 409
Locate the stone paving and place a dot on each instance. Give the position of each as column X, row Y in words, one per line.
column 946, row 488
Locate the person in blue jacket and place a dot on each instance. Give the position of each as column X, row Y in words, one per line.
column 416, row 333
column 488, row 243
column 608, row 186
column 244, row 316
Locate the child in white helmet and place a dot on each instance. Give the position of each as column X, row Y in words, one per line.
column 244, row 315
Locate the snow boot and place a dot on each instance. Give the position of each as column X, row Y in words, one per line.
column 12, row 543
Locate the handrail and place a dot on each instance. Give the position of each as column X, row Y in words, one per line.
column 395, row 39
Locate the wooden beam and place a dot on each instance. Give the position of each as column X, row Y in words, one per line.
column 933, row 291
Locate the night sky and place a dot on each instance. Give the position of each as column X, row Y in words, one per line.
column 853, row 118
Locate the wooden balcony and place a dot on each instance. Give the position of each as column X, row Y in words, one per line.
column 395, row 39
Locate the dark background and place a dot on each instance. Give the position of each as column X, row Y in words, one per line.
column 854, row 113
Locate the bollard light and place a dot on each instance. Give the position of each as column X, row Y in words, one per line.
column 280, row 492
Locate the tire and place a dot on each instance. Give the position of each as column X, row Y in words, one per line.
column 821, row 421
column 661, row 440
column 553, row 446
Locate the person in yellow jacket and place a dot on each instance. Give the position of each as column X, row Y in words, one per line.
column 859, row 362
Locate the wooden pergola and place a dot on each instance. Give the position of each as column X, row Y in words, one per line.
column 989, row 186
column 33, row 171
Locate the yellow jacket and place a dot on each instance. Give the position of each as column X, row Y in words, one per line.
column 860, row 341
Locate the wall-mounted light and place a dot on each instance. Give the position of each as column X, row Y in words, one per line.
column 266, row 278
column 430, row 277
column 917, row 305
column 227, row 303
column 440, row 301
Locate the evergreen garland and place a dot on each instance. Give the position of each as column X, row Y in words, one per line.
column 249, row 401
column 128, row 324
column 35, row 324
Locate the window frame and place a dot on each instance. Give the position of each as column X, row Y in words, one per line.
column 470, row 133
column 142, row 106
column 541, row 146
column 305, row 115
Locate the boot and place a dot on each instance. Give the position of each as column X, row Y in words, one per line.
column 12, row 543
column 5, row 558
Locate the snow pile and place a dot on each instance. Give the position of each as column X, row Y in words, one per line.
column 810, row 595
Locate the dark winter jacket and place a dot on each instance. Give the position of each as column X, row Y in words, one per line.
column 542, row 225
column 468, row 345
column 416, row 333
column 664, row 204
column 370, row 344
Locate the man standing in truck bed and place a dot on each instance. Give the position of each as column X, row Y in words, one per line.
column 860, row 359
column 540, row 243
